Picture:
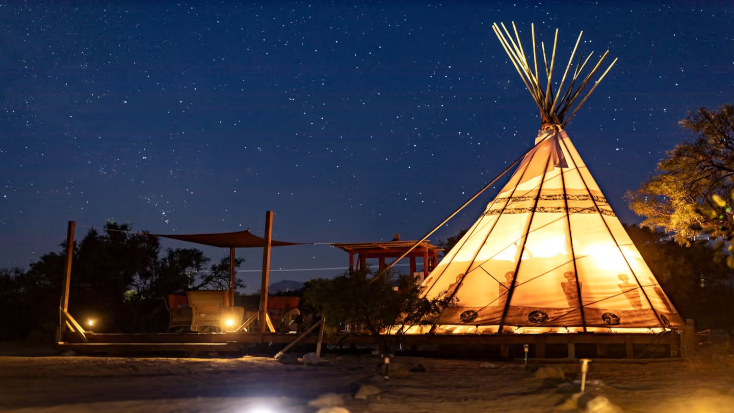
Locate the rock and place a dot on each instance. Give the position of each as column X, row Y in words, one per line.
column 367, row 390
column 394, row 370
column 333, row 410
column 310, row 359
column 487, row 366
column 550, row 373
column 327, row 400
column 589, row 402
column 570, row 404
column 601, row 404
column 418, row 368
column 287, row 359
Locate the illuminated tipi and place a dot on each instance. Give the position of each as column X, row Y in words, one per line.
column 548, row 254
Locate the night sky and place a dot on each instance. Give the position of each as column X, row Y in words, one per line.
column 351, row 122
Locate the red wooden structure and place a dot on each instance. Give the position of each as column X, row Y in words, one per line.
column 392, row 249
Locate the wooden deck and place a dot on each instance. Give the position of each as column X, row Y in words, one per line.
column 192, row 342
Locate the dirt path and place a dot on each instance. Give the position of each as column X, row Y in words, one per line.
column 254, row 384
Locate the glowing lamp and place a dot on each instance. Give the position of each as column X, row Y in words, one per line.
column 229, row 322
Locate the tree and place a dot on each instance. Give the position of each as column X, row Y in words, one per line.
column 374, row 303
column 697, row 286
column 119, row 277
column 690, row 176
column 450, row 242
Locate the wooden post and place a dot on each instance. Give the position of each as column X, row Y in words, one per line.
column 425, row 263
column 540, row 347
column 351, row 261
column 412, row 266
column 231, row 277
column 505, row 351
column 629, row 347
column 362, row 262
column 266, row 271
column 688, row 339
column 64, row 305
column 321, row 338
column 674, row 341
column 381, row 265
column 571, row 350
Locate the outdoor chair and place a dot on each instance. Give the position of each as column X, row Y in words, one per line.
column 179, row 313
column 211, row 311
column 283, row 311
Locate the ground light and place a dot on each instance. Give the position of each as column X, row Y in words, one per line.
column 584, row 370
column 229, row 322
column 90, row 323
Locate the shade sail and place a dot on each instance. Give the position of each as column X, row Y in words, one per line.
column 240, row 239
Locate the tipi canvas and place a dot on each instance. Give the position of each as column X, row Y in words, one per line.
column 548, row 253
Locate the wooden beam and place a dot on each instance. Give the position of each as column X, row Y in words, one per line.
column 266, row 270
column 269, row 322
column 231, row 277
column 412, row 266
column 146, row 347
column 321, row 337
column 425, row 264
column 381, row 264
column 351, row 261
column 247, row 323
column 75, row 327
column 67, row 278
column 293, row 343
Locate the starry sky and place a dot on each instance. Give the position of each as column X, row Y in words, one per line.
column 352, row 122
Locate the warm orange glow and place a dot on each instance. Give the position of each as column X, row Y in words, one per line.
column 90, row 322
column 229, row 322
column 548, row 255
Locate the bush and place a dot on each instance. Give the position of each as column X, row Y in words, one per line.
column 386, row 305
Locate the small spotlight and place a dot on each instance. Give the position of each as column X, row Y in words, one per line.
column 229, row 322
column 90, row 322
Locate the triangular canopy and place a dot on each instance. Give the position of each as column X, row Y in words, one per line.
column 549, row 252
column 240, row 239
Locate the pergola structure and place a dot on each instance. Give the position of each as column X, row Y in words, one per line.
column 231, row 240
column 392, row 249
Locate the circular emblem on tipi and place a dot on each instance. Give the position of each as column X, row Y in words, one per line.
column 665, row 320
column 468, row 316
column 610, row 319
column 538, row 317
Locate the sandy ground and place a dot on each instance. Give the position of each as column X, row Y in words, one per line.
column 263, row 385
